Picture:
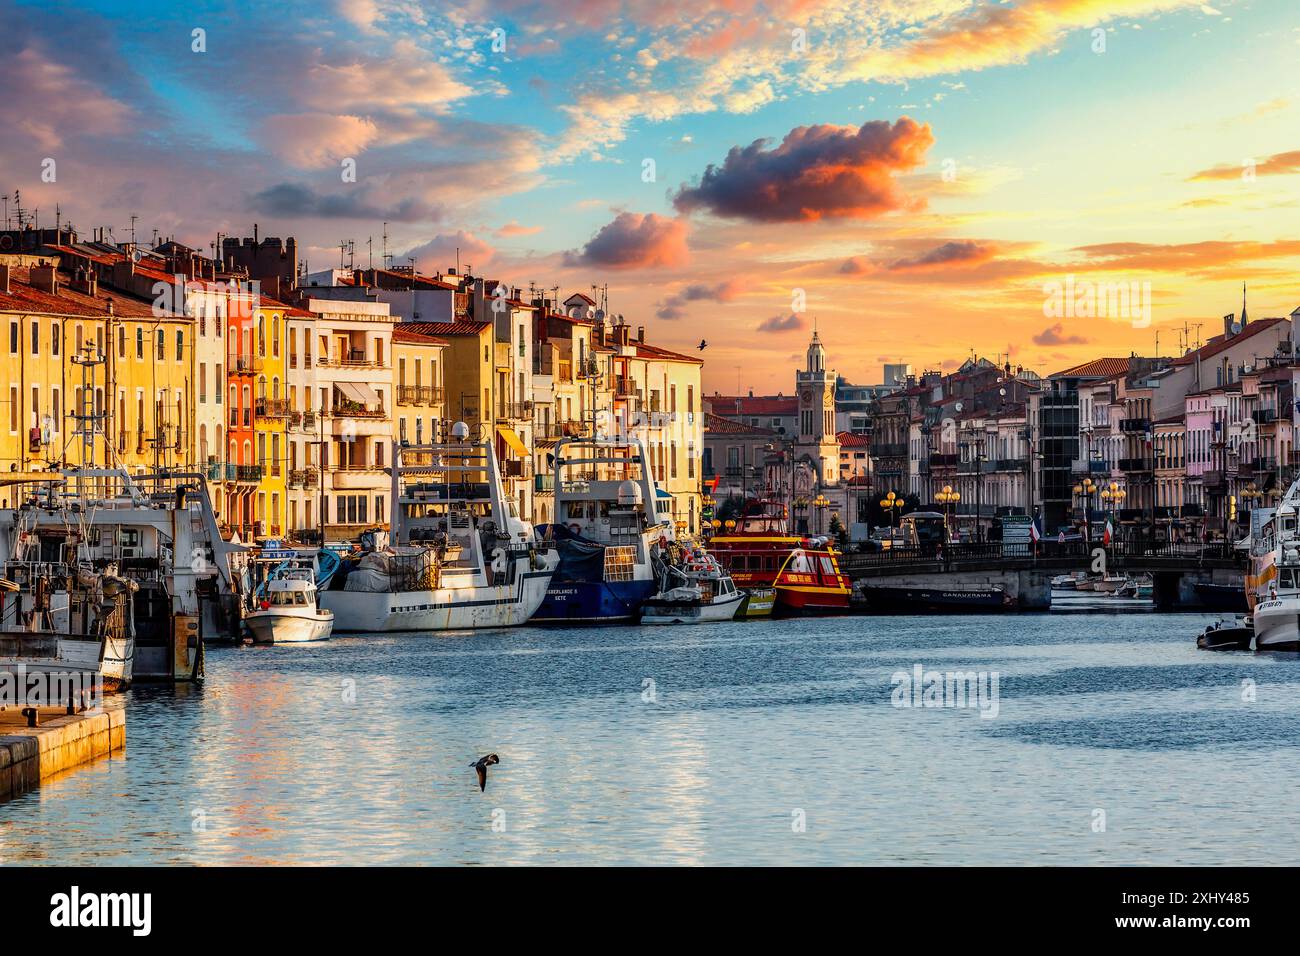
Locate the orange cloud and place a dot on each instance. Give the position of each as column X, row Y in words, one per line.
column 816, row 172
column 635, row 241
column 1279, row 164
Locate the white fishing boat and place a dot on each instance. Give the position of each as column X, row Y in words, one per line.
column 458, row 554
column 287, row 612
column 696, row 591
column 1273, row 583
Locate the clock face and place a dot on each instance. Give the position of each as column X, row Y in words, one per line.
column 807, row 396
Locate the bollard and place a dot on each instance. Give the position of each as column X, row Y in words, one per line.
column 33, row 716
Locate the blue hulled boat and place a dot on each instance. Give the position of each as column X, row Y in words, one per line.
column 607, row 537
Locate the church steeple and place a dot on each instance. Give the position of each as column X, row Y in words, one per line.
column 1243, row 305
column 816, row 354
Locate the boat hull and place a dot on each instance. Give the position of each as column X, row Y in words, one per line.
column 656, row 611
column 1277, row 625
column 270, row 628
column 440, row 609
column 974, row 600
column 1223, row 597
column 1226, row 639
column 806, row 601
column 759, row 602
column 594, row 602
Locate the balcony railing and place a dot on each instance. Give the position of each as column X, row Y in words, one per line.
column 1135, row 464
column 1135, row 424
column 1263, row 464
column 309, row 421
column 943, row 461
column 248, row 473
column 246, row 364
column 297, row 477
column 1263, row 416
column 419, row 395
column 272, row 407
column 515, row 410
column 889, row 451
column 352, row 358
column 516, row 468
column 544, row 484
column 1011, row 464
column 347, row 408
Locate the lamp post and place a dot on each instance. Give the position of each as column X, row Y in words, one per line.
column 1112, row 495
column 1084, row 490
column 821, row 503
column 891, row 503
column 948, row 498
column 1252, row 496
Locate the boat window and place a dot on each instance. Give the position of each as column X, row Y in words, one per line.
column 299, row 597
column 828, row 569
column 1286, row 579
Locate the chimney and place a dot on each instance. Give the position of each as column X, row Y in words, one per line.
column 4, row 279
column 623, row 331
column 1229, row 321
column 640, row 334
column 45, row 278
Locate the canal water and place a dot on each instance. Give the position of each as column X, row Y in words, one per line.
column 1114, row 741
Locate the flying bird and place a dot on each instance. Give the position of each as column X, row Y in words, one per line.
column 704, row 344
column 480, row 767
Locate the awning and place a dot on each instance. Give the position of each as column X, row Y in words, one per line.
column 513, row 441
column 358, row 392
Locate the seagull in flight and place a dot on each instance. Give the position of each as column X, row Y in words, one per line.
column 480, row 767
column 704, row 344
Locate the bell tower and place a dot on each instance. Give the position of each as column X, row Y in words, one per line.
column 815, row 388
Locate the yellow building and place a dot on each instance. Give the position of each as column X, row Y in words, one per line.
column 270, row 418
column 135, row 389
column 418, row 369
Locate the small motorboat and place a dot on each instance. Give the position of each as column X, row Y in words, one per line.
column 1065, row 582
column 287, row 612
column 1227, row 636
column 1139, row 587
column 697, row 591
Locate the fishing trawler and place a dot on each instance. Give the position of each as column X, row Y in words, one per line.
column 761, row 553
column 283, row 608
column 1273, row 581
column 458, row 555
column 611, row 524
column 123, row 572
column 696, row 590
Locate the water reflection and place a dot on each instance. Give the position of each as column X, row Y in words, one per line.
column 357, row 751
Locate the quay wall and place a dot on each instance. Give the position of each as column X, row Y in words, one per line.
column 29, row 755
column 1031, row 588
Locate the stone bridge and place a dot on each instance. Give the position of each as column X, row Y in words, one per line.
column 1026, row 571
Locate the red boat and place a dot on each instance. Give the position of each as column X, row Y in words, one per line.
column 762, row 553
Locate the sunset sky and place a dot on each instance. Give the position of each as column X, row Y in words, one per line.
column 920, row 169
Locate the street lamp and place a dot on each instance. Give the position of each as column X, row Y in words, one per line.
column 821, row 503
column 891, row 503
column 1113, row 494
column 948, row 498
column 1252, row 495
column 1084, row 490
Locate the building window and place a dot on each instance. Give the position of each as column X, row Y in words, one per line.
column 139, row 342
column 54, row 339
column 162, row 347
column 13, row 338
column 180, row 345
column 36, row 338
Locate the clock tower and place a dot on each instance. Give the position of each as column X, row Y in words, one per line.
column 815, row 388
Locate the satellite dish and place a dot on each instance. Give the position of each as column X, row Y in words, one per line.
column 958, row 406
column 460, row 431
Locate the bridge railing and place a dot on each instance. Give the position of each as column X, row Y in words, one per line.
column 1132, row 552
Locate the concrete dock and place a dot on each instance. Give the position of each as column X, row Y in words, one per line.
column 61, row 741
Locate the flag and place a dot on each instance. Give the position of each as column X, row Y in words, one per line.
column 1106, row 537
column 1033, row 531
column 1060, row 537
